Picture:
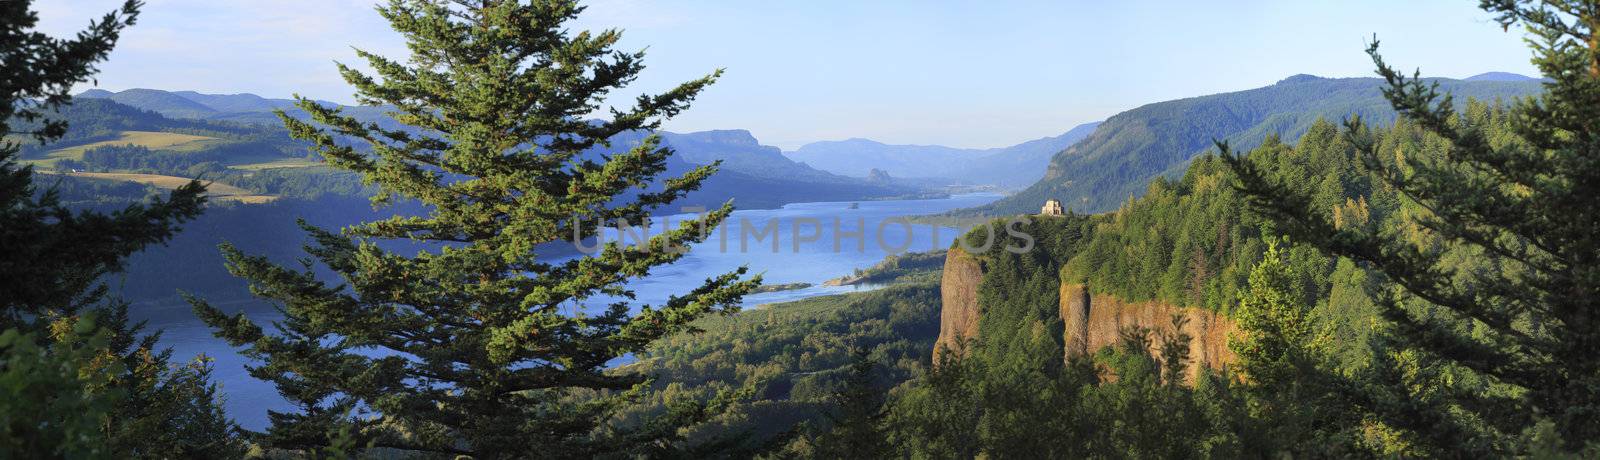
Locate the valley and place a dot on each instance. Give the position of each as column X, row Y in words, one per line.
column 803, row 266
column 228, row 137
column 850, row 231
column 1172, row 262
column 1089, row 280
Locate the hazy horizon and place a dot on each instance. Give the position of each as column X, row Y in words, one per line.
column 957, row 75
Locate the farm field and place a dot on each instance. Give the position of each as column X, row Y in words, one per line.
column 153, row 140
column 280, row 163
column 216, row 190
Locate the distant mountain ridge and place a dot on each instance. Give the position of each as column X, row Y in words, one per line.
column 739, row 150
column 1134, row 147
column 1499, row 76
column 240, row 108
column 858, row 156
column 165, row 103
column 759, row 174
column 1014, row 166
column 191, row 104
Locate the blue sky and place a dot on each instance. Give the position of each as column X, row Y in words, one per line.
column 965, row 74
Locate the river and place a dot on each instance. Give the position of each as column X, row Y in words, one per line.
column 866, row 232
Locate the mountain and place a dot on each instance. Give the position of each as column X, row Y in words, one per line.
column 757, row 175
column 191, row 104
column 1134, row 147
column 1020, row 165
column 241, row 108
column 857, row 157
column 229, row 103
column 738, row 150
column 1500, row 76
column 102, row 120
column 165, row 103
column 1014, row 166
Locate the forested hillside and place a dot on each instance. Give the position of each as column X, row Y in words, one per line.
column 1193, row 243
column 760, row 176
column 1158, row 140
column 1189, row 242
column 110, row 137
column 794, row 358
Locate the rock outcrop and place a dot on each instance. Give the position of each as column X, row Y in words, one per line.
column 958, row 318
column 1096, row 321
column 1092, row 321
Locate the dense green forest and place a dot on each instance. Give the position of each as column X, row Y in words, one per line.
column 1188, row 242
column 794, row 357
column 1132, row 148
column 899, row 268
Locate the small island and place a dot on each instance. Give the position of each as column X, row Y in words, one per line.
column 779, row 287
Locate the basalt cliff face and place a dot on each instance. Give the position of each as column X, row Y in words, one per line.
column 958, row 290
column 1096, row 321
column 1092, row 321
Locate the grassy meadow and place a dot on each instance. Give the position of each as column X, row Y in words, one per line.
column 216, row 190
column 153, row 140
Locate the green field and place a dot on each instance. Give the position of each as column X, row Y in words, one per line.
column 279, row 163
column 148, row 139
column 216, row 190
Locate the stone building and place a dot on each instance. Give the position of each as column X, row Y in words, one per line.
column 1051, row 208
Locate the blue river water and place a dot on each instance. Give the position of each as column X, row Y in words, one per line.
column 810, row 249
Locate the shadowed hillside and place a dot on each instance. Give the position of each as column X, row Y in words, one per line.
column 1158, row 140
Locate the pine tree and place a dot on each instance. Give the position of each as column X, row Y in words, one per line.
column 1276, row 357
column 1175, row 352
column 1529, row 205
column 859, row 415
column 81, row 380
column 478, row 347
column 53, row 257
column 939, row 416
column 1274, row 331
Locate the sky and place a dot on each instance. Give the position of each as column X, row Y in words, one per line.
column 957, row 73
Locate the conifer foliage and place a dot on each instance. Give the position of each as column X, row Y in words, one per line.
column 54, row 256
column 78, row 379
column 478, row 346
column 1526, row 204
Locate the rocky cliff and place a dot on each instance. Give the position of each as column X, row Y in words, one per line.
column 958, row 290
column 1092, row 321
column 1096, row 321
